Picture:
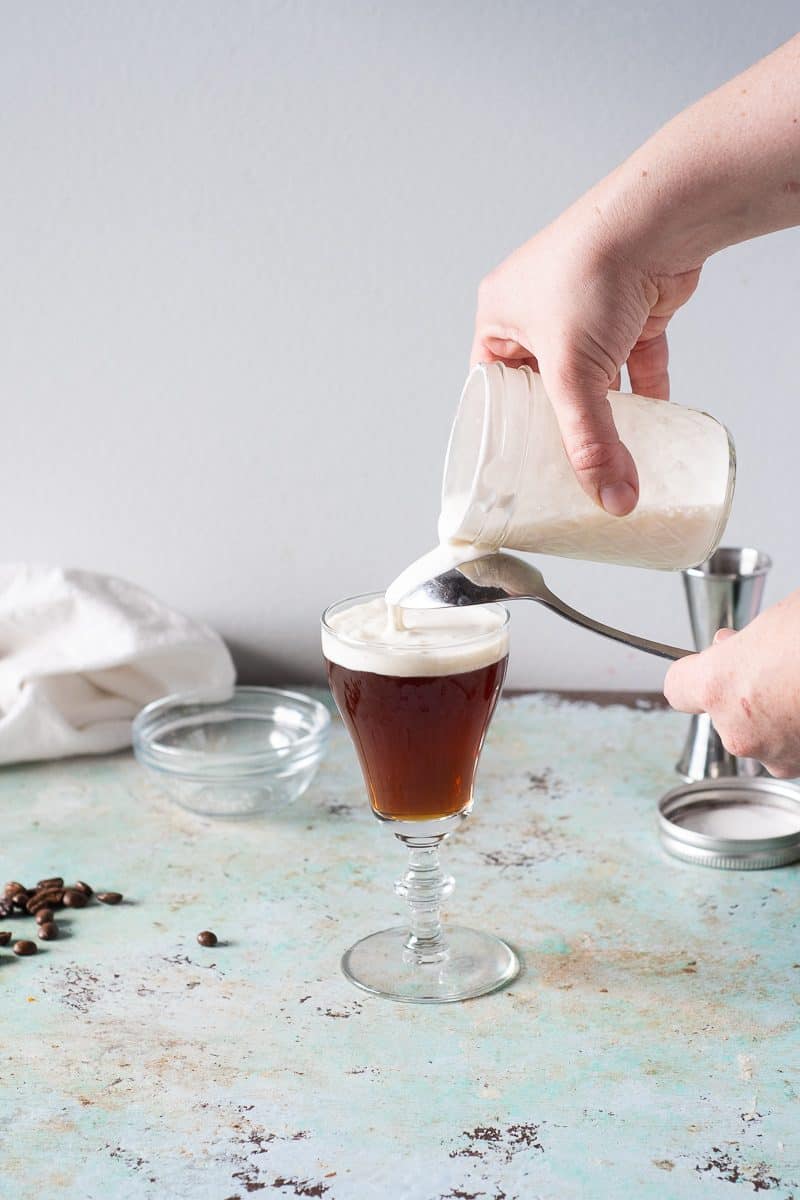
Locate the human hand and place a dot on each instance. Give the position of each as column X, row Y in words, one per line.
column 749, row 684
column 576, row 303
column 596, row 289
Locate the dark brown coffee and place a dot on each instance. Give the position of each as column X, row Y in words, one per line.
column 418, row 738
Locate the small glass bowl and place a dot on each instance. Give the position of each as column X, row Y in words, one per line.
column 251, row 754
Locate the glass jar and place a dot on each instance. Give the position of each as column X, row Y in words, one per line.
column 508, row 482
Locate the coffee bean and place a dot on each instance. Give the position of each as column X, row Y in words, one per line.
column 207, row 938
column 43, row 915
column 55, row 881
column 75, row 899
column 20, row 900
column 48, row 931
column 5, row 937
column 109, row 897
column 80, row 886
column 6, row 909
column 49, row 898
column 24, row 948
column 11, row 888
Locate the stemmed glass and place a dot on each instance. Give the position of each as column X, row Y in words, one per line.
column 418, row 726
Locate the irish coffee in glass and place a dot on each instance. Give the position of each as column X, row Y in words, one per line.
column 416, row 692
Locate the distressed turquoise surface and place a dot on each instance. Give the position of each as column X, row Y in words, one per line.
column 649, row 1049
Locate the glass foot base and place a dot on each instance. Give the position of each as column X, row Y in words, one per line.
column 475, row 963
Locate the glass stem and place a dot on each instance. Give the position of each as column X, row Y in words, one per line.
column 424, row 886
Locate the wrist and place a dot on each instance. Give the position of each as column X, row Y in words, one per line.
column 656, row 216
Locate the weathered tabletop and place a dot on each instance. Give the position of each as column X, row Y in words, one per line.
column 649, row 1049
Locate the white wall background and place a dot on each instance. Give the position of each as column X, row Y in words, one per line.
column 239, row 249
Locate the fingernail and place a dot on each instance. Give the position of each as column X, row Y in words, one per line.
column 617, row 498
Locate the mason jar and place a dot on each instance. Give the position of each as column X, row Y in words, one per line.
column 508, row 482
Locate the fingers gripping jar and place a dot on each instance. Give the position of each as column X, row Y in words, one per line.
column 508, row 482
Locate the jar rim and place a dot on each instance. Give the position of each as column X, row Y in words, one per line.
column 503, row 437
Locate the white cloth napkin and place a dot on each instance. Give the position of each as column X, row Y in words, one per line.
column 80, row 653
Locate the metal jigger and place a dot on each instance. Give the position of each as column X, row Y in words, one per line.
column 723, row 593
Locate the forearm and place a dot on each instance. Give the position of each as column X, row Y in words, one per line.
column 724, row 170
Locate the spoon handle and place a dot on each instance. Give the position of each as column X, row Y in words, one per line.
column 545, row 596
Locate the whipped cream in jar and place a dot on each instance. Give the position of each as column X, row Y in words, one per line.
column 508, row 482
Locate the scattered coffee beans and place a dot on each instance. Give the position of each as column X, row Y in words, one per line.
column 49, row 895
column 41, row 902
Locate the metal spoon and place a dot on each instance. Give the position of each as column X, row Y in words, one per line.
column 504, row 577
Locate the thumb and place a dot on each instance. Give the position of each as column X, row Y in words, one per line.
column 685, row 684
column 722, row 635
column 602, row 464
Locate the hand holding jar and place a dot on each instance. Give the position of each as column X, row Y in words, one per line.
column 595, row 291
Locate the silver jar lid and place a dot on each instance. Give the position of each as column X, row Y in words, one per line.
column 736, row 824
